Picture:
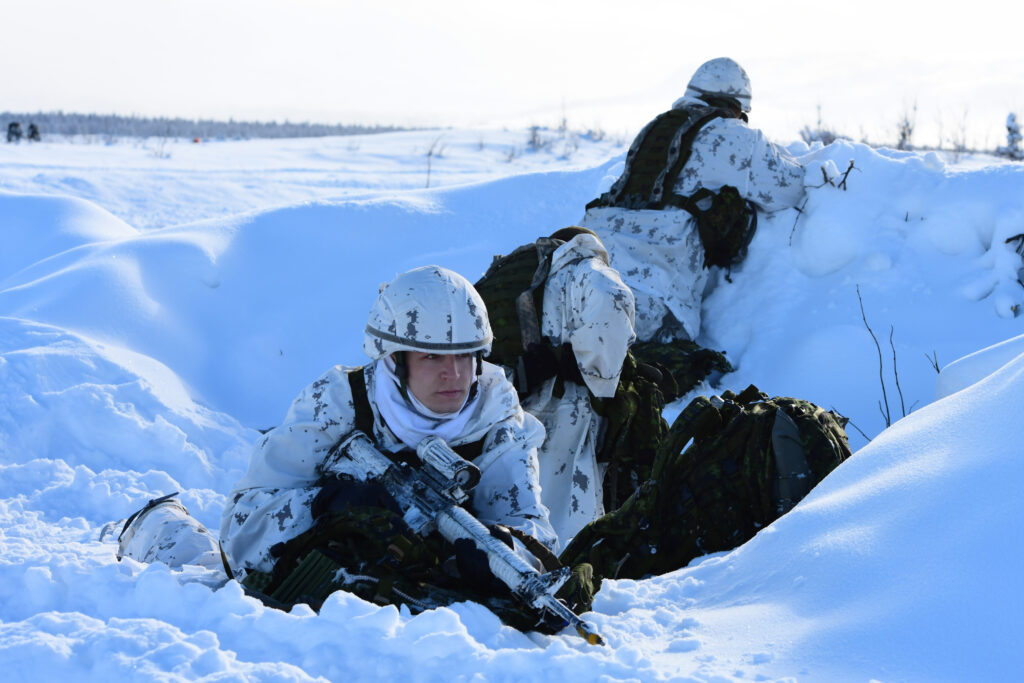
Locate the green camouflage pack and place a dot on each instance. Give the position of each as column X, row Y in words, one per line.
column 726, row 223
column 725, row 220
column 725, row 471
column 633, row 430
column 682, row 364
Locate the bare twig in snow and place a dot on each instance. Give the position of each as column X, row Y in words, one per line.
column 799, row 212
column 895, row 371
column 881, row 378
column 842, row 183
column 854, row 425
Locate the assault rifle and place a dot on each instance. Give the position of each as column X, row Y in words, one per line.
column 430, row 498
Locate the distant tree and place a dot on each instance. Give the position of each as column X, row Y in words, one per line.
column 819, row 133
column 1012, row 150
column 959, row 138
column 535, row 142
column 434, row 151
column 111, row 127
column 905, row 128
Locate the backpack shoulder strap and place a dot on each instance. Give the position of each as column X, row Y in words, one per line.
column 530, row 303
column 656, row 158
column 667, row 180
column 793, row 476
column 361, row 401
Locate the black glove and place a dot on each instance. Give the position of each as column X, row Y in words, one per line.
column 543, row 362
column 568, row 368
column 473, row 566
column 337, row 495
column 540, row 363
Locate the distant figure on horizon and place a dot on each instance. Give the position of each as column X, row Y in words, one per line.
column 688, row 198
column 13, row 132
column 33, row 133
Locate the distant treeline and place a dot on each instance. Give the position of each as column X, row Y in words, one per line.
column 111, row 126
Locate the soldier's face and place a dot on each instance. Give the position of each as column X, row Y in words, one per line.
column 440, row 381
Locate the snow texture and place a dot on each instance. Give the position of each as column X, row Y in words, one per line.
column 156, row 311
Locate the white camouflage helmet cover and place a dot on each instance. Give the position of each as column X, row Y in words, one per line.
column 721, row 78
column 429, row 309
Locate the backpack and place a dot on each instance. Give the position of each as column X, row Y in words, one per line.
column 730, row 466
column 770, row 451
column 726, row 226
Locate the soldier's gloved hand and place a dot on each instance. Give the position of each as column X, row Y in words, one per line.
column 473, row 566
column 568, row 368
column 339, row 495
column 540, row 363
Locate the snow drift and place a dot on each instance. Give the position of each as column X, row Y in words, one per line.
column 136, row 362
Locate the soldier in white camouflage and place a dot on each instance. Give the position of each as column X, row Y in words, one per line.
column 565, row 322
column 677, row 167
column 297, row 512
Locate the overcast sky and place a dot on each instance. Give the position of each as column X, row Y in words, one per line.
column 612, row 65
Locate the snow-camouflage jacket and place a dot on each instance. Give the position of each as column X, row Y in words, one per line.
column 271, row 503
column 587, row 305
column 727, row 151
column 659, row 253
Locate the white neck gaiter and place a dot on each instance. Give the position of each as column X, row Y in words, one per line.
column 410, row 420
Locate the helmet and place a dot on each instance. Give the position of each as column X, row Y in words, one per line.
column 566, row 234
column 721, row 78
column 429, row 309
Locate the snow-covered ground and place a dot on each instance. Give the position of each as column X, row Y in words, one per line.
column 162, row 301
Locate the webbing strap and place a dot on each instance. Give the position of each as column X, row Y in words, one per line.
column 529, row 306
column 147, row 507
column 361, row 401
column 224, row 559
column 666, row 195
column 792, row 472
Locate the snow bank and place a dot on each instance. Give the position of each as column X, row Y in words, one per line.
column 920, row 245
column 133, row 364
column 978, row 365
